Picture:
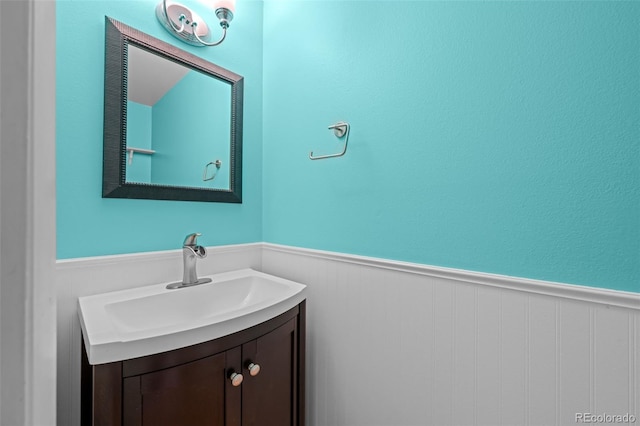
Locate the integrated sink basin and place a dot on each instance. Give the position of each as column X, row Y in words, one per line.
column 147, row 320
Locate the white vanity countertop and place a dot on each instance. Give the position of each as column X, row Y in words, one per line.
column 148, row 320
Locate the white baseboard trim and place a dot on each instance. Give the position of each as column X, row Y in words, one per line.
column 622, row 299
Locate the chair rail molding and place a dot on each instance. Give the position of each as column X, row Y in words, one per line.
column 568, row 291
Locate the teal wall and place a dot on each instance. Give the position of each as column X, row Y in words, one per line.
column 500, row 137
column 89, row 225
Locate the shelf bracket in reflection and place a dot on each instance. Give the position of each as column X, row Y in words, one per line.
column 139, row 151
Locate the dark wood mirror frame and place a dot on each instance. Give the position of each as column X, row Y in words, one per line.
column 118, row 36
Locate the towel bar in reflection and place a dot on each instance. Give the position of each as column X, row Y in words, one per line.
column 216, row 163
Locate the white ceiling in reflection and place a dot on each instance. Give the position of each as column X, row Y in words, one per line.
column 150, row 76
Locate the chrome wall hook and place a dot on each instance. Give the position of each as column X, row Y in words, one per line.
column 341, row 130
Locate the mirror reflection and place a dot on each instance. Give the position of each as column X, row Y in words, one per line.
column 178, row 124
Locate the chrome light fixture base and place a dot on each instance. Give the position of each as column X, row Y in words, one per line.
column 225, row 16
column 186, row 25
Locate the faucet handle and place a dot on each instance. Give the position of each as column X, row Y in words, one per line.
column 191, row 239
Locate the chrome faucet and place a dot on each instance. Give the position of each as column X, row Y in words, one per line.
column 191, row 252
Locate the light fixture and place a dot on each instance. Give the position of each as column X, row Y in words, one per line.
column 188, row 26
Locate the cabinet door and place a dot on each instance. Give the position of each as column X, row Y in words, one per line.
column 270, row 397
column 188, row 394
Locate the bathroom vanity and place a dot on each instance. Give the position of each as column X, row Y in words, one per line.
column 254, row 376
column 198, row 385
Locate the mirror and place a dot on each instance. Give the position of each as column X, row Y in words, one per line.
column 178, row 123
column 173, row 122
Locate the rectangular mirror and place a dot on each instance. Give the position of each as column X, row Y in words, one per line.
column 173, row 122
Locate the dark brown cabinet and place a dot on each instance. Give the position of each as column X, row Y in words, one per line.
column 251, row 378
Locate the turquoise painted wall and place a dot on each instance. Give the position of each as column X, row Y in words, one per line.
column 89, row 225
column 491, row 136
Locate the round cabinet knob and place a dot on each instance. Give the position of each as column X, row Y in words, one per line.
column 236, row 379
column 254, row 369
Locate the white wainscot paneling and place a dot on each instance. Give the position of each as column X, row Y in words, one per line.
column 82, row 277
column 397, row 344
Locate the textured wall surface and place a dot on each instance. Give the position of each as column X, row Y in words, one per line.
column 87, row 224
column 489, row 136
column 497, row 137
